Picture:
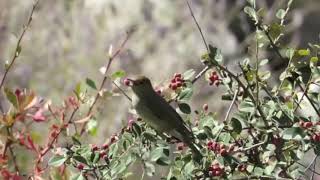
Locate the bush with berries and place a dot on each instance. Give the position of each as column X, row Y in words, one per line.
column 263, row 135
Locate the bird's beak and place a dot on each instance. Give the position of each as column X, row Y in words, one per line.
column 129, row 82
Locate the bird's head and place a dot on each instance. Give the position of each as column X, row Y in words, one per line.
column 141, row 85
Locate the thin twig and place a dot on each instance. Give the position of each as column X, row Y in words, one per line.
column 314, row 166
column 204, row 70
column 231, row 105
column 18, row 47
column 122, row 91
column 110, row 60
column 309, row 99
column 308, row 167
column 198, row 26
column 303, row 94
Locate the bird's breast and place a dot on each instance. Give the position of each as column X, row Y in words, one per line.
column 145, row 112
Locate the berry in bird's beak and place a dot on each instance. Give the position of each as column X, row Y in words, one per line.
column 128, row 82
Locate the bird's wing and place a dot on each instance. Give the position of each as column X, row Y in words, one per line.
column 167, row 113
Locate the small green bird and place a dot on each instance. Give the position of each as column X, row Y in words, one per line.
column 158, row 113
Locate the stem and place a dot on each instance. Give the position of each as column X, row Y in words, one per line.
column 18, row 47
column 198, row 26
column 231, row 105
column 309, row 99
column 111, row 58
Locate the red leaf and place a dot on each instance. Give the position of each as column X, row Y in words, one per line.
column 38, row 116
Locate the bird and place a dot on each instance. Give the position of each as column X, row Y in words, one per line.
column 159, row 114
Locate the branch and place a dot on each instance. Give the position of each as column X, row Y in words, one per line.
column 111, row 58
column 18, row 47
column 309, row 99
column 198, row 26
column 231, row 105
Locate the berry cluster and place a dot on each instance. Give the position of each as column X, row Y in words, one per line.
column 305, row 125
column 176, row 82
column 214, row 79
column 216, row 170
column 102, row 150
column 220, row 148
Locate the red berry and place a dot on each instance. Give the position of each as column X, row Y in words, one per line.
column 205, row 107
column 216, row 167
column 94, row 147
column 18, row 93
column 308, row 124
column 242, row 168
column 223, row 152
column 127, row 82
column 159, row 91
column 105, row 146
column 210, row 143
column 180, row 147
column 173, row 80
column 102, row 154
column 301, row 123
column 179, row 84
column 113, row 138
column 174, row 86
column 218, row 173
column 80, row 166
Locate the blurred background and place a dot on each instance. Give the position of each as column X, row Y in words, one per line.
column 68, row 41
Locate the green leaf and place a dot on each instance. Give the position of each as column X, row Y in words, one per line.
column 281, row 13
column 264, row 75
column 258, row 171
column 185, row 108
column 11, row 97
column 304, row 52
column 75, row 140
column 118, row 74
column 78, row 176
column 80, row 159
column 252, row 13
column 263, row 62
column 293, row 133
column 247, row 106
column 163, row 161
column 236, row 125
column 275, row 30
column 57, row 160
column 91, row 83
column 188, row 168
column 252, row 3
column 290, row 53
column 92, row 127
column 157, row 153
column 188, row 75
column 185, row 94
column 215, row 55
column 225, row 138
column 77, row 90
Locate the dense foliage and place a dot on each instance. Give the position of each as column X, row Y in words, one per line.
column 265, row 132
